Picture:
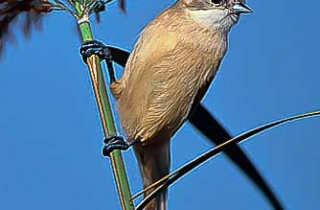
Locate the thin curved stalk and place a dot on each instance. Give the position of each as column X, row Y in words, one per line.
column 180, row 172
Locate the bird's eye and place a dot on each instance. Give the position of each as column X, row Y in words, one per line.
column 216, row 1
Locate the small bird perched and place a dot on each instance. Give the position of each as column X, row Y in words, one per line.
column 167, row 74
column 32, row 12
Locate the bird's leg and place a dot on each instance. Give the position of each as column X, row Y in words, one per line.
column 95, row 47
column 117, row 142
column 109, row 54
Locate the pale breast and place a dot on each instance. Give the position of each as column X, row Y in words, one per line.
column 168, row 66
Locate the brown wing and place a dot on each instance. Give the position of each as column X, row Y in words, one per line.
column 158, row 96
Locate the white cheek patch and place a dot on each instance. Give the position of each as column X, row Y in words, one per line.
column 209, row 18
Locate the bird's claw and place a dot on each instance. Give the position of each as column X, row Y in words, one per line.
column 117, row 142
column 114, row 142
column 95, row 47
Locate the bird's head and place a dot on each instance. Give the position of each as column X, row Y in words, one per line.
column 219, row 14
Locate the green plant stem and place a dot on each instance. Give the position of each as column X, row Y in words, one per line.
column 106, row 118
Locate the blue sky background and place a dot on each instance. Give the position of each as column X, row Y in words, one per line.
column 50, row 133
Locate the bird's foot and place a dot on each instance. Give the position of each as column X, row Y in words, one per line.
column 117, row 142
column 95, row 47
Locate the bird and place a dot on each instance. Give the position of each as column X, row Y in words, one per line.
column 154, row 76
column 170, row 69
column 200, row 118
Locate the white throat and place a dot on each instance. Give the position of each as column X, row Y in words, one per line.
column 213, row 18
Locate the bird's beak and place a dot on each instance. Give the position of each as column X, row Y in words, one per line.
column 241, row 8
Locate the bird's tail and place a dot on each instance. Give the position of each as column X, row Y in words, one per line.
column 154, row 163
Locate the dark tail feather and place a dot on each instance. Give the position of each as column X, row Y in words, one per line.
column 212, row 129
